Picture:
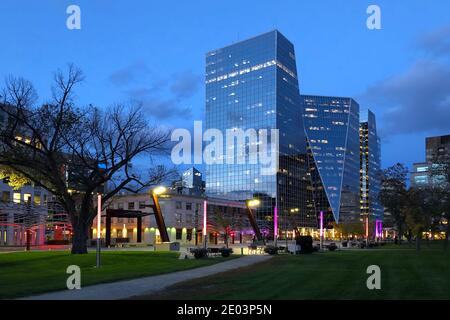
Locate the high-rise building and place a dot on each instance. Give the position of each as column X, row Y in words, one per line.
column 432, row 172
column 437, row 148
column 332, row 129
column 370, row 173
column 253, row 84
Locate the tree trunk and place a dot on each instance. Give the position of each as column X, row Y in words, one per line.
column 418, row 243
column 80, row 237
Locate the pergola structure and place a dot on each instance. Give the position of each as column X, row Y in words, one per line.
column 121, row 213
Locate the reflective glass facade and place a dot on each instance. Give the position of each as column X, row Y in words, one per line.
column 370, row 173
column 332, row 129
column 254, row 84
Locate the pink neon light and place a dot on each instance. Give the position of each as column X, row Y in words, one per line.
column 204, row 218
column 381, row 229
column 321, row 223
column 99, row 215
column 275, row 221
column 378, row 229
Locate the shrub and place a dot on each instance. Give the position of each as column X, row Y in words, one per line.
column 200, row 253
column 305, row 243
column 332, row 246
column 226, row 252
column 271, row 250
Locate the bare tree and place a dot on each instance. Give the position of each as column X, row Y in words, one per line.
column 392, row 194
column 77, row 152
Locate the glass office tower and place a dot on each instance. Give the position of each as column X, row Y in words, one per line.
column 254, row 84
column 332, row 129
column 370, row 173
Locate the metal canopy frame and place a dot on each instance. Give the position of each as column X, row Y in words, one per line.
column 121, row 213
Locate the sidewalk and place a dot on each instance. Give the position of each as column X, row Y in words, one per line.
column 148, row 285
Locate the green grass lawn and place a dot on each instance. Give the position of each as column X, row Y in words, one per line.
column 27, row 273
column 405, row 274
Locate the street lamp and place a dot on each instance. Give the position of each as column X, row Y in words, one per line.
column 158, row 215
column 253, row 203
column 159, row 190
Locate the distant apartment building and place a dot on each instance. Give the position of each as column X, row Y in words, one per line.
column 332, row 130
column 191, row 183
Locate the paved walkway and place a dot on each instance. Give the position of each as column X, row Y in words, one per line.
column 148, row 285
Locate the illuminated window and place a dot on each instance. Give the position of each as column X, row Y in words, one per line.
column 27, row 197
column 17, row 197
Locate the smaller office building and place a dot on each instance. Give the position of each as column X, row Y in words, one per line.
column 22, row 210
column 184, row 219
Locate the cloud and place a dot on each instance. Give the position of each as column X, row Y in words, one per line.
column 160, row 98
column 185, row 85
column 166, row 109
column 417, row 100
column 143, row 91
column 436, row 43
column 130, row 74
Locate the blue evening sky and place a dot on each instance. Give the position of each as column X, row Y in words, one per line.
column 154, row 51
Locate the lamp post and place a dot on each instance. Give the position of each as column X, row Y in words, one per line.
column 99, row 224
column 158, row 214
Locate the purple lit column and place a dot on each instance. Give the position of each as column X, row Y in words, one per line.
column 321, row 230
column 275, row 225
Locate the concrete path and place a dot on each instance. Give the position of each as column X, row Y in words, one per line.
column 148, row 285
